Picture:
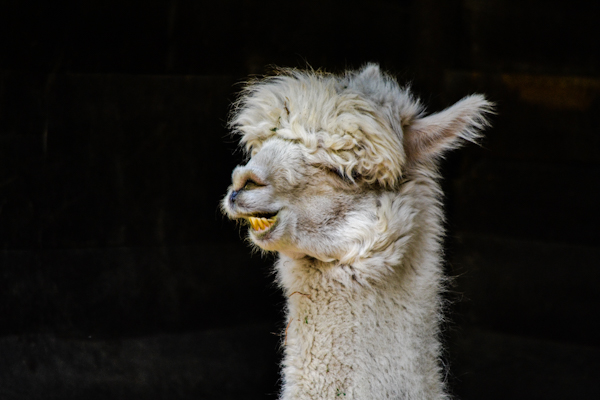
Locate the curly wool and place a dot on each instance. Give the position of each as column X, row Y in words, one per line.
column 344, row 123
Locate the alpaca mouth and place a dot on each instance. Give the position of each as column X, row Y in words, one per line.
column 262, row 223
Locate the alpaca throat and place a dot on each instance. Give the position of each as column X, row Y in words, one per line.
column 320, row 345
column 345, row 339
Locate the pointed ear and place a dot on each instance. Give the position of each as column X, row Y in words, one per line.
column 370, row 71
column 368, row 79
column 428, row 138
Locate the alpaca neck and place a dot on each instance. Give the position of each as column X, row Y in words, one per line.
column 370, row 338
column 361, row 342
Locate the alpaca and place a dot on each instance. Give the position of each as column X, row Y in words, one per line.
column 342, row 182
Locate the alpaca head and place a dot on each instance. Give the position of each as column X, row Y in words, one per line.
column 329, row 157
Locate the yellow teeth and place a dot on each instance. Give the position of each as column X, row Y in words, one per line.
column 261, row 224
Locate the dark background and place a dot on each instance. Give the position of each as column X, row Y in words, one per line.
column 120, row 279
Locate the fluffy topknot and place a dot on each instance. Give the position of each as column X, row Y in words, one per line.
column 351, row 123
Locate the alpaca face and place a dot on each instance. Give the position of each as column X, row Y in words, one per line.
column 329, row 158
column 295, row 207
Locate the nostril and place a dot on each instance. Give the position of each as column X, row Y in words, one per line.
column 233, row 195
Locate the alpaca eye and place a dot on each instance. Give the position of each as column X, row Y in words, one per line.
column 343, row 176
column 338, row 173
column 250, row 184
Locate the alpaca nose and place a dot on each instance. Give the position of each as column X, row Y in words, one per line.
column 233, row 196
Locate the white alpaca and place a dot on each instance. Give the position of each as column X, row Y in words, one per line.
column 342, row 183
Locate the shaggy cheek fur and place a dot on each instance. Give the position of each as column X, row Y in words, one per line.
column 323, row 222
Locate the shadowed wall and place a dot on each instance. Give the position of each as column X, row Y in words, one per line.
column 120, row 279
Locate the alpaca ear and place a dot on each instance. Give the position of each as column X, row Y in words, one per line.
column 368, row 79
column 369, row 71
column 428, row 138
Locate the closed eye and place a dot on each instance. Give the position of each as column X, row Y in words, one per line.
column 334, row 171
column 250, row 184
column 338, row 173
